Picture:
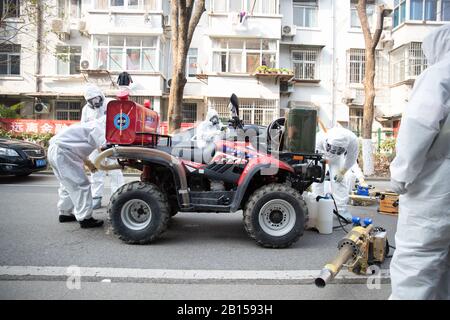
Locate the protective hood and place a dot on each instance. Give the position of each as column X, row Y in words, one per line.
column 92, row 91
column 211, row 114
column 338, row 137
column 437, row 44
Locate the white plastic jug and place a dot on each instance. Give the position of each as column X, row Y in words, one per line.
column 325, row 209
column 312, row 205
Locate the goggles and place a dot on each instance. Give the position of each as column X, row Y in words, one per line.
column 335, row 150
column 96, row 102
column 214, row 120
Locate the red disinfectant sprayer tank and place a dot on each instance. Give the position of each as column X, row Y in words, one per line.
column 130, row 123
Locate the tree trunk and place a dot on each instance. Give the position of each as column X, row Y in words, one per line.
column 185, row 15
column 176, row 98
column 371, row 43
column 368, row 113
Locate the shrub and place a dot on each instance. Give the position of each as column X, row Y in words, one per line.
column 40, row 138
column 11, row 112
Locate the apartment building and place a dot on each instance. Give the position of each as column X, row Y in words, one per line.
column 319, row 40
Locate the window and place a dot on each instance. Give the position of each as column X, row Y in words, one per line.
column 399, row 12
column 305, row 13
column 141, row 99
column 10, row 59
column 445, row 10
column 70, row 8
column 250, row 6
column 423, row 10
column 262, row 6
column 9, row 9
column 257, row 111
column 305, row 63
column 191, row 62
column 356, row 67
column 228, row 5
column 243, row 56
column 68, row 59
column 407, row 62
column 68, row 110
column 354, row 19
column 118, row 53
column 189, row 112
column 417, row 60
column 125, row 4
column 356, row 120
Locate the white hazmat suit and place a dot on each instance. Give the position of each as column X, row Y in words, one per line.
column 420, row 268
column 90, row 113
column 340, row 147
column 66, row 154
column 208, row 130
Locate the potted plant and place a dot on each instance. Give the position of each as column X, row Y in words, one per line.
column 262, row 69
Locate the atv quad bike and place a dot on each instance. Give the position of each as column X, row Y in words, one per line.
column 262, row 171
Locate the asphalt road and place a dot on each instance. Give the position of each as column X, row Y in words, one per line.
column 30, row 235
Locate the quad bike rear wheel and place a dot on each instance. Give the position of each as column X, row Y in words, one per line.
column 139, row 212
column 275, row 216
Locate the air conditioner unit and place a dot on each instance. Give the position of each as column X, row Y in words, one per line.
column 60, row 26
column 288, row 31
column 41, row 108
column 84, row 65
column 286, row 87
column 348, row 96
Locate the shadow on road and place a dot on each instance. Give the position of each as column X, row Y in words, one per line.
column 28, row 179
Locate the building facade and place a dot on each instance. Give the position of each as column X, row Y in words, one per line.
column 320, row 41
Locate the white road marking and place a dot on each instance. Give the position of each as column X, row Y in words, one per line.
column 173, row 275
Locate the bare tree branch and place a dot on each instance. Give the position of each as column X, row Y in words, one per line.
column 196, row 16
column 185, row 17
column 362, row 15
column 379, row 26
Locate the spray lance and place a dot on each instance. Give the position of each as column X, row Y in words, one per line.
column 363, row 246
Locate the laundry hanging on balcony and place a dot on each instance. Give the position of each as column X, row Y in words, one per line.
column 124, row 79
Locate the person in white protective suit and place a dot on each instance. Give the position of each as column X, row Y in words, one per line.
column 210, row 129
column 68, row 152
column 355, row 173
column 94, row 109
column 340, row 149
column 420, row 268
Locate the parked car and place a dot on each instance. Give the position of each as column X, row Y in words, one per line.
column 21, row 158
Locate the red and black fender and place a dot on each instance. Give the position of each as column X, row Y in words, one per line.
column 265, row 165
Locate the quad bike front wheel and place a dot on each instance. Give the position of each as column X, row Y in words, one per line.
column 275, row 216
column 139, row 212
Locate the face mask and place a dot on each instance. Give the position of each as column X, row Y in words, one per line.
column 96, row 102
column 330, row 156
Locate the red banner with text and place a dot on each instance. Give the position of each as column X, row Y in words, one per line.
column 54, row 126
column 34, row 126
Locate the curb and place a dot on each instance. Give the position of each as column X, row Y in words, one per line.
column 130, row 275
